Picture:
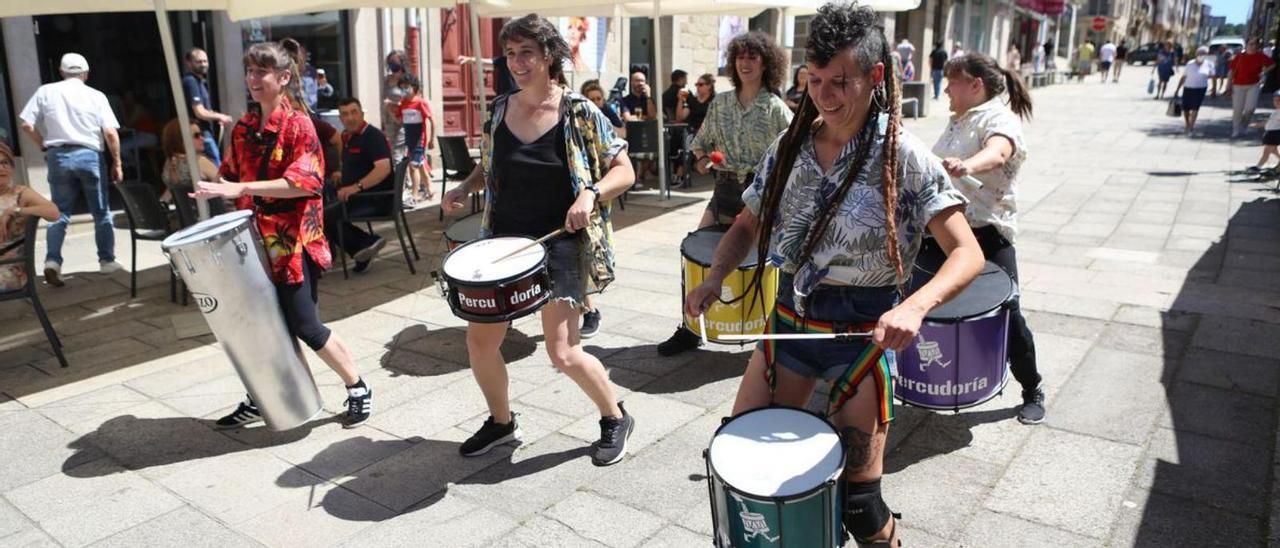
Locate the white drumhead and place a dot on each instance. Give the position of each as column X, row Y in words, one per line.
column 776, row 452
column 207, row 229
column 474, row 262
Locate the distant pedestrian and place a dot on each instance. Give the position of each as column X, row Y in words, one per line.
column 937, row 59
column 1013, row 59
column 1050, row 53
column 1084, row 60
column 1037, row 59
column 1270, row 137
column 1106, row 56
column 1245, row 76
column 195, row 84
column 1165, row 60
column 1222, row 66
column 1122, row 55
column 70, row 120
column 907, row 53
column 957, row 50
column 1195, row 76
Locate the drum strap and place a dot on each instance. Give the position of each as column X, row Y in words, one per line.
column 871, row 361
column 261, row 205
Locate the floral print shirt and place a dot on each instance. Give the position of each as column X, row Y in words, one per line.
column 742, row 134
column 852, row 251
column 289, row 226
column 994, row 202
column 591, row 145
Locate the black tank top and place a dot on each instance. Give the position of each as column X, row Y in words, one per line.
column 532, row 190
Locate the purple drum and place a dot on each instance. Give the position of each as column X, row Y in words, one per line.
column 959, row 358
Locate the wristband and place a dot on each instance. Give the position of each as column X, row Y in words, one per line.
column 596, row 190
column 359, row 186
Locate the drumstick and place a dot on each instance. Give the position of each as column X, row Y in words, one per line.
column 971, row 181
column 557, row 232
column 702, row 323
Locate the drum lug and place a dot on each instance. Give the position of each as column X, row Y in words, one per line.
column 242, row 248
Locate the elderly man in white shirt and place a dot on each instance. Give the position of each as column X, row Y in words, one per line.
column 70, row 120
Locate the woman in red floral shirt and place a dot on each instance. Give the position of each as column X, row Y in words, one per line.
column 275, row 167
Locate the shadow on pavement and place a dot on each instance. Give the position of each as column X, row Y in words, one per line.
column 449, row 347
column 946, row 431
column 1207, row 476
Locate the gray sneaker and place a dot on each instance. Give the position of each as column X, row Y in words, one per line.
column 1032, row 410
column 614, row 433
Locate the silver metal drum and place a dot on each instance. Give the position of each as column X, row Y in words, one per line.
column 223, row 264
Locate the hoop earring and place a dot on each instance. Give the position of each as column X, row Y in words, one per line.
column 879, row 99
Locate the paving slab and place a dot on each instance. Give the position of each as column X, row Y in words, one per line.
column 604, row 520
column 182, row 527
column 1043, row 483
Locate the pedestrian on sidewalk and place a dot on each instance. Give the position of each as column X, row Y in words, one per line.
column 1196, row 78
column 1106, row 56
column 1164, row 70
column 274, row 167
column 195, row 84
column 1270, row 137
column 1222, row 66
column 937, row 59
column 1122, row 53
column 984, row 141
column 1084, row 60
column 69, row 121
column 16, row 204
column 1245, row 78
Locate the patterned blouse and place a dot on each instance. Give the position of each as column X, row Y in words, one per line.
column 852, row 252
column 289, row 226
column 994, row 203
column 591, row 145
column 742, row 134
column 12, row 276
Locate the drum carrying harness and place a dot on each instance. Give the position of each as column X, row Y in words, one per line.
column 261, row 205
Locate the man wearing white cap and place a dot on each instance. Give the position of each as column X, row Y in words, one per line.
column 69, row 121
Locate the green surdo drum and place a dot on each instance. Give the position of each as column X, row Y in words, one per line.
column 774, row 475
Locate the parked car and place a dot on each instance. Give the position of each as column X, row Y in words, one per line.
column 1143, row 54
column 1235, row 43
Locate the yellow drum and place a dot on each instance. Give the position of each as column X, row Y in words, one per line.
column 733, row 314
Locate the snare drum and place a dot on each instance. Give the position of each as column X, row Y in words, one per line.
column 481, row 290
column 959, row 358
column 774, row 475
column 466, row 229
column 746, row 316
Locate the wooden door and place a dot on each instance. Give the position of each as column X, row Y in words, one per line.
column 461, row 115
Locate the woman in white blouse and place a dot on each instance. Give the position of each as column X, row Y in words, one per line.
column 1196, row 79
column 984, row 141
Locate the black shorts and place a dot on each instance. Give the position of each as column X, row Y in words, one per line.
column 726, row 202
column 1271, row 137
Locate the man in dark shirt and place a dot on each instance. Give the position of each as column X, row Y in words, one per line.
column 679, row 79
column 638, row 104
column 366, row 167
column 937, row 59
column 195, row 84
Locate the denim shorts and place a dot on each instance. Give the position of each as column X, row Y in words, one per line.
column 413, row 143
column 564, row 264
column 726, row 200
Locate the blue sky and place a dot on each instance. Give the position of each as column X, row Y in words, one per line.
column 1235, row 10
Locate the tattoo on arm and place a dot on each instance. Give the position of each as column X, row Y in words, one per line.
column 858, row 447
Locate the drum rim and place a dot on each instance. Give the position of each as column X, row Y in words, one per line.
column 775, row 498
column 713, row 228
column 993, row 311
column 179, row 239
column 542, row 264
column 458, row 222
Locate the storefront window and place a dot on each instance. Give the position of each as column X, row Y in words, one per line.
column 327, row 76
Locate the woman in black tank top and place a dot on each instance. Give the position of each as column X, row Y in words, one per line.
column 545, row 155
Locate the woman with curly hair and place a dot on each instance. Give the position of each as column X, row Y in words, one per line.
column 840, row 204
column 739, row 125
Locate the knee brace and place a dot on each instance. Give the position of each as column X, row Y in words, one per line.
column 865, row 513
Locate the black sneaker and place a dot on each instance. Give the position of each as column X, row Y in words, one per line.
column 490, row 435
column 1253, row 169
column 614, row 434
column 246, row 413
column 359, row 405
column 681, row 341
column 1032, row 410
column 361, row 267
column 590, row 324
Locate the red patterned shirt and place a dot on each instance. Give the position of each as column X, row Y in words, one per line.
column 289, row 226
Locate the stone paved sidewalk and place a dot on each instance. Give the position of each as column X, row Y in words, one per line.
column 1149, row 275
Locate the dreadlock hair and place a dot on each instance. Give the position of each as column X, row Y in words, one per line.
column 995, row 80
column 837, row 27
column 275, row 56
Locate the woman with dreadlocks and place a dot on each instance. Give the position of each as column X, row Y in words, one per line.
column 840, row 204
column 984, row 141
